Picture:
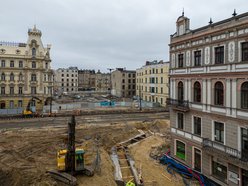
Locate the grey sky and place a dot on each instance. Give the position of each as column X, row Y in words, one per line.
column 101, row 34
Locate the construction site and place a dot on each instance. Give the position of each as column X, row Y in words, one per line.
column 122, row 152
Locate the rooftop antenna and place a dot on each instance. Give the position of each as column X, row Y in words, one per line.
column 234, row 13
column 210, row 21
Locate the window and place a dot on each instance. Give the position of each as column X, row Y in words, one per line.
column 46, row 66
column 3, row 63
column 180, row 60
column 129, row 75
column 197, row 125
column 162, row 70
column 2, row 90
column 20, row 64
column 161, row 101
column 152, row 80
column 133, row 80
column 180, row 121
column 162, row 80
column 12, row 78
column 33, row 90
column 62, row 75
column 152, row 89
column 161, row 90
column 180, row 91
column 244, row 143
column 11, row 104
column 67, row 75
column 20, row 90
column 219, row 55
column 12, row 64
column 244, row 95
column 33, row 64
column 11, row 90
column 180, row 150
column 197, row 160
column 33, row 77
column 219, row 93
column 219, row 171
column 3, row 77
column 197, row 58
column 244, row 54
column 153, row 70
column 123, row 86
column 129, row 80
column 133, row 75
column 156, row 71
column 219, row 132
column 123, row 80
column 19, row 103
column 33, row 52
column 197, row 92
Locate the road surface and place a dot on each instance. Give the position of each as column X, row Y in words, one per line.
column 89, row 119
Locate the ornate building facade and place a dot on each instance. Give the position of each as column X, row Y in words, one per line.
column 209, row 98
column 25, row 73
column 152, row 82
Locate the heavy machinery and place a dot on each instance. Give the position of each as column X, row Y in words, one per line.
column 28, row 112
column 71, row 161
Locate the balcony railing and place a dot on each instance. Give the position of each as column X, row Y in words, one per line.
column 182, row 105
column 227, row 150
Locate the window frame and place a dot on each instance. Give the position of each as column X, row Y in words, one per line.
column 219, row 55
column 214, row 134
column 219, row 98
column 194, row 125
column 180, row 60
column 197, row 92
column 244, row 51
column 244, row 95
column 180, row 120
column 197, row 58
column 179, row 154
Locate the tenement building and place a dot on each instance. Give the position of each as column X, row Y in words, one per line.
column 86, row 80
column 102, row 82
column 25, row 73
column 209, row 98
column 67, row 80
column 123, row 83
column 152, row 82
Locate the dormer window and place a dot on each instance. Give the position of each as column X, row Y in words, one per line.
column 33, row 52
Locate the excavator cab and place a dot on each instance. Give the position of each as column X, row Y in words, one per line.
column 79, row 160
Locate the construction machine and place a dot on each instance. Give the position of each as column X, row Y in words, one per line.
column 28, row 112
column 71, row 161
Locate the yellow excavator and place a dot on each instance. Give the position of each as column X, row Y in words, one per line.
column 28, row 112
column 71, row 161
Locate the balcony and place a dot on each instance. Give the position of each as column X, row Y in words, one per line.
column 180, row 105
column 223, row 150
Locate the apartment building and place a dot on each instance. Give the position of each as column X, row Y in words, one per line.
column 86, row 80
column 123, row 83
column 25, row 73
column 67, row 80
column 102, row 81
column 209, row 98
column 152, row 82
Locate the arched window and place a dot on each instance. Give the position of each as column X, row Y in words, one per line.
column 197, row 92
column 244, row 95
column 219, row 93
column 33, row 52
column 3, row 77
column 11, row 76
column 180, row 91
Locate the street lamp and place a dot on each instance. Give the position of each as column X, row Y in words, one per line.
column 110, row 70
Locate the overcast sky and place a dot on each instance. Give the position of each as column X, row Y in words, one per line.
column 101, row 34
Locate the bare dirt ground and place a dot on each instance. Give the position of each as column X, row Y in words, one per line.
column 26, row 154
